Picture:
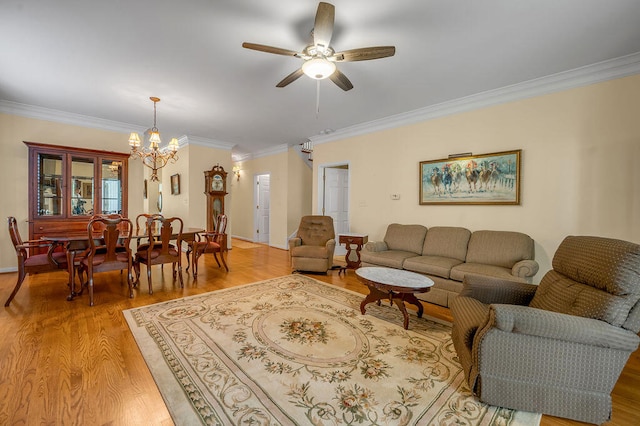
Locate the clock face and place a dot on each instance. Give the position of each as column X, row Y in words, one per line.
column 217, row 184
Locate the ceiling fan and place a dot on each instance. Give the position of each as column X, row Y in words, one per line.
column 320, row 58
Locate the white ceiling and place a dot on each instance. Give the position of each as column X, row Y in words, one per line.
column 104, row 59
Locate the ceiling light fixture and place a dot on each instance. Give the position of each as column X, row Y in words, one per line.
column 153, row 157
column 318, row 68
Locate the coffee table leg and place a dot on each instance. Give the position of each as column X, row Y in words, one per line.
column 374, row 295
column 411, row 298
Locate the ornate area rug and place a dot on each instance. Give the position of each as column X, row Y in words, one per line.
column 295, row 351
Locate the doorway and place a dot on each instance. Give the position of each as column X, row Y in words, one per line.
column 334, row 198
column 262, row 201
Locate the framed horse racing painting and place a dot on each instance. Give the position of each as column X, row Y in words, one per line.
column 472, row 179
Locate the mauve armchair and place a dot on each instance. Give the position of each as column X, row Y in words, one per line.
column 557, row 348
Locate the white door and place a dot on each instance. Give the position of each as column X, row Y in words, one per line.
column 336, row 199
column 262, row 198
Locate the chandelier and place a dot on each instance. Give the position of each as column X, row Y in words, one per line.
column 153, row 157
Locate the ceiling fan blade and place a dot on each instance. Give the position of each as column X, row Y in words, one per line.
column 341, row 80
column 364, row 54
column 269, row 49
column 323, row 26
column 291, row 78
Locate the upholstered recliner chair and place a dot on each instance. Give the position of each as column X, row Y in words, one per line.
column 557, row 348
column 314, row 244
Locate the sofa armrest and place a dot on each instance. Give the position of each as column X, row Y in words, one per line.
column 495, row 290
column 375, row 246
column 525, row 269
column 558, row 326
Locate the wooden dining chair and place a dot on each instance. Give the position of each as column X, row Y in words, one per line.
column 110, row 252
column 142, row 221
column 211, row 242
column 160, row 249
column 29, row 262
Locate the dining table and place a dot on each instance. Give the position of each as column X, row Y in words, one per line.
column 76, row 243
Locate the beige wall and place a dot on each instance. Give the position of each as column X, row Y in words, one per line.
column 193, row 161
column 579, row 173
column 191, row 203
column 290, row 193
column 299, row 191
column 580, row 150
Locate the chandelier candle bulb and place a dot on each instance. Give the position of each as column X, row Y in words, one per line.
column 153, row 157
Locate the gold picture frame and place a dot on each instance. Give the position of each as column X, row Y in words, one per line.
column 175, row 184
column 489, row 179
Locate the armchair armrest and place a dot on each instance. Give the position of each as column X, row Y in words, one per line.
column 490, row 290
column 295, row 241
column 558, row 326
column 525, row 269
column 331, row 244
column 376, row 246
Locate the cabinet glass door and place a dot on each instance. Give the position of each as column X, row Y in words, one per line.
column 82, row 174
column 50, row 193
column 111, row 173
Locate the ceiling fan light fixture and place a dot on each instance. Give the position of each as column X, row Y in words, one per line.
column 318, row 68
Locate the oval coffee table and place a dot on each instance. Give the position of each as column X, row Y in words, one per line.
column 397, row 285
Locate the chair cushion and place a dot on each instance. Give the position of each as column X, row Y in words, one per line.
column 145, row 246
column 43, row 259
column 205, row 246
column 604, row 263
column 155, row 253
column 592, row 277
column 100, row 258
column 318, row 252
column 316, row 230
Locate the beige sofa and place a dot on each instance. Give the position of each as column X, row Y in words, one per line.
column 446, row 254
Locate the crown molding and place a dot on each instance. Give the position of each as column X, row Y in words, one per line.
column 583, row 76
column 279, row 149
column 48, row 114
column 211, row 143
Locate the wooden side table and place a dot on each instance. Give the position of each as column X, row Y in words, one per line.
column 353, row 239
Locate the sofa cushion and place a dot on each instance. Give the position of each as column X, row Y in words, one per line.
column 389, row 258
column 459, row 271
column 499, row 248
column 447, row 242
column 434, row 265
column 405, row 237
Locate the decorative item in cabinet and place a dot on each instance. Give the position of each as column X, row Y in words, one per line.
column 68, row 185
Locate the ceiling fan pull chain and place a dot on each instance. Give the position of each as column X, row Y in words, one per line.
column 317, row 98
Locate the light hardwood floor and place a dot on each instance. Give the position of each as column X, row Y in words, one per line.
column 68, row 363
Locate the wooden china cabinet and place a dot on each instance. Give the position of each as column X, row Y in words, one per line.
column 69, row 185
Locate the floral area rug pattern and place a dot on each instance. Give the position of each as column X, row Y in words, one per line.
column 295, row 351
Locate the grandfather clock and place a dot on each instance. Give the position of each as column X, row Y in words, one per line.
column 215, row 186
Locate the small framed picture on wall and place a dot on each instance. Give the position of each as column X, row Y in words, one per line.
column 175, row 184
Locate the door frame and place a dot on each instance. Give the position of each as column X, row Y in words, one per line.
column 321, row 172
column 256, row 190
